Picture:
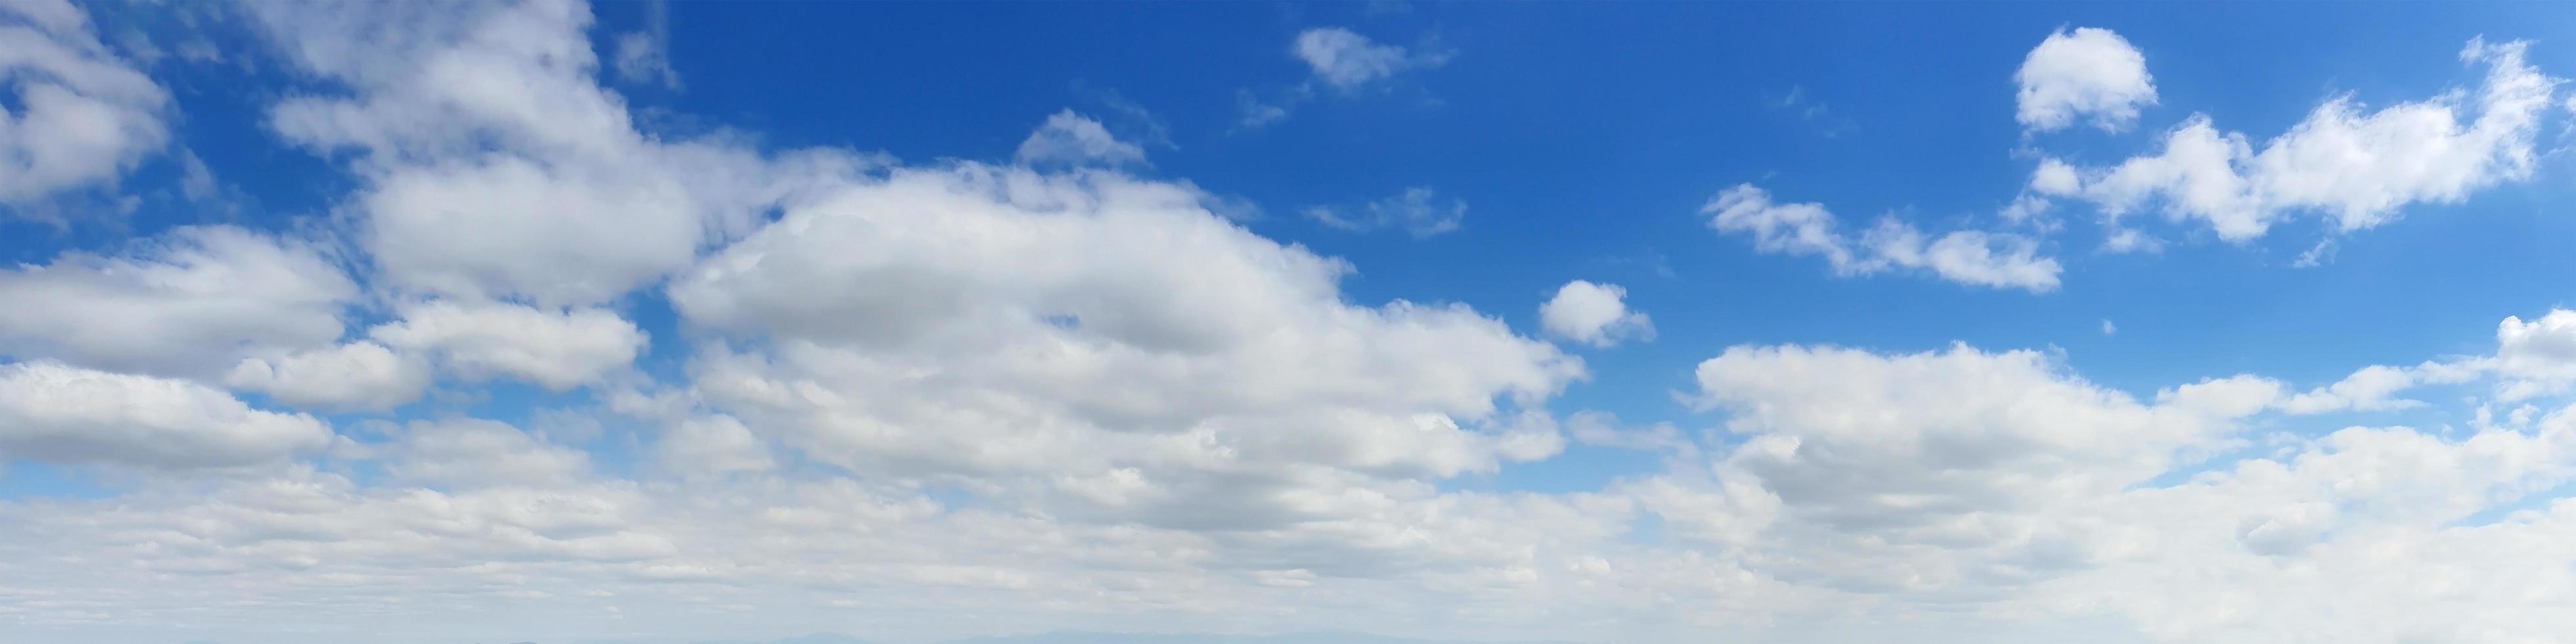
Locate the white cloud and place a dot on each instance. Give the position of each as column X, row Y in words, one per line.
column 2108, row 328
column 558, row 349
column 80, row 115
column 1045, row 332
column 358, row 375
column 2538, row 356
column 2367, row 390
column 1603, row 429
column 190, row 303
column 50, row 412
column 2088, row 72
column 1256, row 112
column 2319, row 255
column 1349, row 61
column 1072, row 138
column 1594, row 314
column 2358, row 170
column 712, row 446
column 476, row 453
column 495, row 166
column 1999, row 260
column 1418, row 210
column 2002, row 481
column 1942, row 476
column 964, row 399
column 2055, row 178
column 644, row 56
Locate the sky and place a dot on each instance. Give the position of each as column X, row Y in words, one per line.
column 1581, row 322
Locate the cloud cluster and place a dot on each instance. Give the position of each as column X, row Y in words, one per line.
column 80, row 116
column 962, row 398
column 1594, row 314
column 1999, row 260
column 2087, row 72
column 2355, row 168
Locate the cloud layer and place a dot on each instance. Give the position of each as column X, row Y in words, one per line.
column 980, row 396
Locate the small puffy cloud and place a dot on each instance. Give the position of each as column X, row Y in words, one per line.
column 557, row 349
column 358, row 375
column 2055, row 178
column 2356, row 169
column 1349, row 61
column 644, row 56
column 1418, row 210
column 1071, row 138
column 1999, row 260
column 53, row 412
column 1593, row 314
column 78, row 114
column 2088, row 72
column 190, row 303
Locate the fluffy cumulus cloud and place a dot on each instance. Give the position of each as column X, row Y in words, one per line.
column 51, row 412
column 971, row 397
column 78, row 115
column 1991, row 259
column 1104, row 345
column 2088, row 73
column 2538, row 356
column 358, row 375
column 1594, row 314
column 2355, row 168
column 490, row 118
column 556, row 349
column 189, row 303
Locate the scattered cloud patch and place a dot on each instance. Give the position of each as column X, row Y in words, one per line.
column 188, row 303
column 358, row 375
column 1347, row 61
column 644, row 56
column 1418, row 210
column 51, row 412
column 2085, row 73
column 2355, row 169
column 1594, row 314
column 1073, row 139
column 557, row 349
column 1999, row 260
column 80, row 116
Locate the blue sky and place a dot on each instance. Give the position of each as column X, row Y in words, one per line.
column 643, row 322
